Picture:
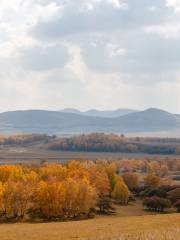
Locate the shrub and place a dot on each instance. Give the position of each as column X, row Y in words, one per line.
column 105, row 205
column 177, row 205
column 174, row 195
column 156, row 203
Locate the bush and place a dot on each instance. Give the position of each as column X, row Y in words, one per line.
column 105, row 205
column 174, row 195
column 177, row 205
column 150, row 192
column 156, row 204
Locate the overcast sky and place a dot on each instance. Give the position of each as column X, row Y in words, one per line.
column 103, row 54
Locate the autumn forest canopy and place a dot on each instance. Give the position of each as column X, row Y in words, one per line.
column 82, row 189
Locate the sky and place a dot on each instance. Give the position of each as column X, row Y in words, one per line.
column 103, row 54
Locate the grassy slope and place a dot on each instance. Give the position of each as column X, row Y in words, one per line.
column 94, row 228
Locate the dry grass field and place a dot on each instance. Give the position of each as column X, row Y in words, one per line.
column 28, row 154
column 150, row 227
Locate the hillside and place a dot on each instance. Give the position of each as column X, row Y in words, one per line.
column 54, row 122
column 41, row 121
column 149, row 120
column 99, row 113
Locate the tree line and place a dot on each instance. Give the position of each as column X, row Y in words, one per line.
column 24, row 139
column 100, row 142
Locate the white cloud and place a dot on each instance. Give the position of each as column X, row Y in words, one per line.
column 115, row 50
column 166, row 30
column 89, row 53
column 174, row 4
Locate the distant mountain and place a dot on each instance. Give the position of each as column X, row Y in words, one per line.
column 42, row 121
column 71, row 110
column 54, row 122
column 149, row 120
column 100, row 113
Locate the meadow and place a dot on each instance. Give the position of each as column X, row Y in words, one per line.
column 158, row 227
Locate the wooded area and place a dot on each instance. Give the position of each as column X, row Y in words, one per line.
column 81, row 189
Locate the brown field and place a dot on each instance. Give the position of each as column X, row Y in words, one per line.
column 12, row 155
column 157, row 227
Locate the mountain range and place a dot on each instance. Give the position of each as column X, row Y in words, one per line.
column 99, row 113
column 70, row 121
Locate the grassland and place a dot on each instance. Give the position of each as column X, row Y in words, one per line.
column 27, row 154
column 157, row 227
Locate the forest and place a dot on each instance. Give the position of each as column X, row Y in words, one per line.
column 95, row 142
column 24, row 139
column 82, row 189
column 100, row 142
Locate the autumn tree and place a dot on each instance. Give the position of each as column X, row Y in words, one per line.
column 53, row 171
column 65, row 199
column 99, row 179
column 1, row 196
column 121, row 193
column 11, row 172
column 15, row 199
column 80, row 197
column 131, row 179
column 48, row 199
column 152, row 180
column 112, row 175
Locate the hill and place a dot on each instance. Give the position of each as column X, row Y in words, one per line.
column 149, row 120
column 41, row 121
column 54, row 122
column 99, row 113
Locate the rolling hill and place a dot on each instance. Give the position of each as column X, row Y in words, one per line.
column 98, row 113
column 55, row 122
column 149, row 120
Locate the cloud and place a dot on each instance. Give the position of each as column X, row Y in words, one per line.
column 127, row 36
column 43, row 58
column 102, row 16
column 89, row 53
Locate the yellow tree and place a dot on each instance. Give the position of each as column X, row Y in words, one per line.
column 1, row 195
column 113, row 177
column 86, row 197
column 15, row 199
column 131, row 179
column 99, row 179
column 49, row 199
column 53, row 171
column 80, row 197
column 121, row 193
column 12, row 172
column 152, row 180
